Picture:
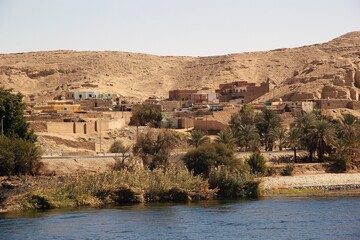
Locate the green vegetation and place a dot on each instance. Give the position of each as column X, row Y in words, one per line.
column 154, row 148
column 146, row 114
column 257, row 163
column 197, row 138
column 324, row 138
column 124, row 154
column 125, row 186
column 18, row 152
column 233, row 183
column 202, row 159
column 12, row 114
column 288, row 170
column 227, row 137
column 18, row 156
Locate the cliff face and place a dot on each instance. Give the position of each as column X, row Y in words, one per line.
column 328, row 70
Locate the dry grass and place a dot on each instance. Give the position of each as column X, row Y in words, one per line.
column 138, row 185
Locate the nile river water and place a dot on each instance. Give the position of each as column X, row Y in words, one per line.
column 270, row 218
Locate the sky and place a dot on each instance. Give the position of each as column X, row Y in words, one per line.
column 172, row 27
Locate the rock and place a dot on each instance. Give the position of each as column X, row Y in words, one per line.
column 357, row 78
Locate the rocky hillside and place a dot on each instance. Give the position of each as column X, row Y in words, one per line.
column 325, row 70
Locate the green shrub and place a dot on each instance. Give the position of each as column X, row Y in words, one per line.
column 208, row 155
column 257, row 163
column 288, row 170
column 233, row 183
column 342, row 161
column 18, row 156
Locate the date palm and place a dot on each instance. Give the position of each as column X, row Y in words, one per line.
column 247, row 135
column 266, row 121
column 197, row 138
column 226, row 137
column 322, row 137
column 348, row 130
column 305, row 123
column 279, row 136
column 294, row 139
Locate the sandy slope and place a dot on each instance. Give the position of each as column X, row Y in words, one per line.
column 44, row 75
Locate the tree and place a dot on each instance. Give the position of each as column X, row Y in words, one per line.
column 197, row 138
column 265, row 122
column 124, row 151
column 322, row 137
column 154, row 148
column 257, row 163
column 305, row 123
column 226, row 137
column 294, row 139
column 18, row 156
column 203, row 158
column 12, row 111
column 348, row 130
column 279, row 136
column 245, row 116
column 146, row 114
column 247, row 137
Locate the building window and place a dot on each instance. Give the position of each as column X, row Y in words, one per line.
column 80, row 96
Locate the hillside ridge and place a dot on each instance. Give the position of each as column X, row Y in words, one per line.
column 308, row 69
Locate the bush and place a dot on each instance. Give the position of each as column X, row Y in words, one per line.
column 257, row 163
column 146, row 113
column 288, row 170
column 208, row 155
column 233, row 183
column 342, row 161
column 124, row 186
column 18, row 156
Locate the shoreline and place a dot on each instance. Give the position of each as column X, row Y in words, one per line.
column 312, row 185
column 318, row 184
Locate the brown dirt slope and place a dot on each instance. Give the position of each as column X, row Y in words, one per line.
column 44, row 75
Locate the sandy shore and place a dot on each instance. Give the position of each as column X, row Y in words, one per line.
column 328, row 181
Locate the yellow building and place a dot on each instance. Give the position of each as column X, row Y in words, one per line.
column 58, row 106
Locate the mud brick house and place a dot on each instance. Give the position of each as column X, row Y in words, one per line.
column 242, row 91
column 181, row 95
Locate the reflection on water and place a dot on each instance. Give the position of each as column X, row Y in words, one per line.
column 272, row 218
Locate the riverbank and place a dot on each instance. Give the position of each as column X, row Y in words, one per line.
column 310, row 184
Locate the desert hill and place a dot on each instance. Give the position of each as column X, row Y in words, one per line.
column 316, row 70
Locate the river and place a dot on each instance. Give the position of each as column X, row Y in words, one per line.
column 269, row 218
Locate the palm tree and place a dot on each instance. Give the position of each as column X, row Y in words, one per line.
column 348, row 130
column 306, row 123
column 322, row 137
column 197, row 138
column 266, row 121
column 226, row 137
column 279, row 136
column 294, row 139
column 247, row 135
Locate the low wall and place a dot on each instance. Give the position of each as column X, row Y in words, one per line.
column 84, row 127
column 207, row 125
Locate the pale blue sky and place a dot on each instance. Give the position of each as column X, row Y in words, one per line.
column 172, row 27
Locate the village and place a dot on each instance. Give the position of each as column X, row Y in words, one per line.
column 90, row 113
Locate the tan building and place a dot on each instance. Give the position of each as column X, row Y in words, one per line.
column 58, row 105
